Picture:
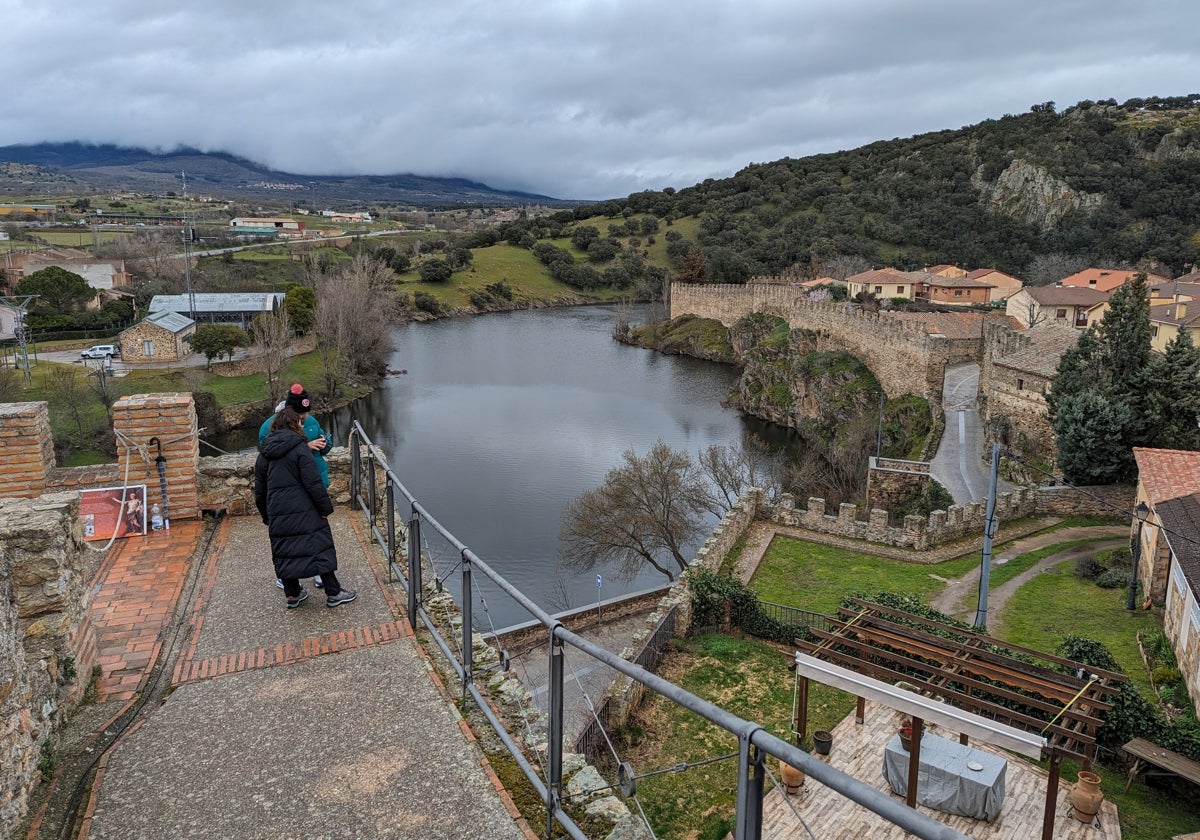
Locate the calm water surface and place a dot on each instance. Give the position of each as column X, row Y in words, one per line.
column 503, row 419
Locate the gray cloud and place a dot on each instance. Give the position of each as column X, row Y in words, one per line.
column 576, row 99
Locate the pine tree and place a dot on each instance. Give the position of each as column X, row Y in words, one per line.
column 1173, row 401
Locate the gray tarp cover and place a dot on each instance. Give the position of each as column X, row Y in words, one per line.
column 944, row 781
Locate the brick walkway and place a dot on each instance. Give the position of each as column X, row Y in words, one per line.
column 135, row 594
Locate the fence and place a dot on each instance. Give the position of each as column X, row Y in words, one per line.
column 592, row 743
column 755, row 744
column 794, row 615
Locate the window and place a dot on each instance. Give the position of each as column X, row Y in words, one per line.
column 879, row 290
column 1060, row 313
column 147, row 348
column 958, row 292
column 1020, row 384
column 899, row 290
column 1154, row 331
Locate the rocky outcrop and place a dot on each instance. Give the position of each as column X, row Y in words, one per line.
column 1030, row 194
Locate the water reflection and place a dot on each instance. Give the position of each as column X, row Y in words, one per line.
column 503, row 419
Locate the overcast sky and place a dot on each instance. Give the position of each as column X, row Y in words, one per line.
column 577, row 99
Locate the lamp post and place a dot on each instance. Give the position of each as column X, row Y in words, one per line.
column 1141, row 511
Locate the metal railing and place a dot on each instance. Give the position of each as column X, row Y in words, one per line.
column 795, row 615
column 754, row 742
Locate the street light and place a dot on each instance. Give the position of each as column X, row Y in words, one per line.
column 1141, row 511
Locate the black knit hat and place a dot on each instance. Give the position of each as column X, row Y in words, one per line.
column 297, row 398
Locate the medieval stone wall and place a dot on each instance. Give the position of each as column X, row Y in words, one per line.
column 893, row 483
column 47, row 645
column 903, row 357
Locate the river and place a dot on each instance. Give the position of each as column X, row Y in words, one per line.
column 503, row 419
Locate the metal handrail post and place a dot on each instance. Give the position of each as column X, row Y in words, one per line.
column 390, row 491
column 554, row 744
column 467, row 650
column 355, row 465
column 751, row 773
column 414, row 568
column 371, row 492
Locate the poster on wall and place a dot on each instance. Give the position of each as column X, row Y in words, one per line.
column 113, row 509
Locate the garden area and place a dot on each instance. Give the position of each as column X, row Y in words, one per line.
column 749, row 676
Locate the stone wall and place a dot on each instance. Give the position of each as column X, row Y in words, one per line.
column 1102, row 501
column 227, row 483
column 903, row 357
column 47, row 645
column 917, row 532
column 893, row 483
column 171, row 419
column 1181, row 624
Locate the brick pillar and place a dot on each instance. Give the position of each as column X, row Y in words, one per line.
column 172, row 419
column 26, row 449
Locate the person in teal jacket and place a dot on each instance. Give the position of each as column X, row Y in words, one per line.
column 319, row 441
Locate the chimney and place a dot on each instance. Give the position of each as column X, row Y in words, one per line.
column 1180, row 310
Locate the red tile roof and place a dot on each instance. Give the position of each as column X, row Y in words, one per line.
column 1167, row 473
column 1106, row 279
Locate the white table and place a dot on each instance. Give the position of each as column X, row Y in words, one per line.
column 945, row 780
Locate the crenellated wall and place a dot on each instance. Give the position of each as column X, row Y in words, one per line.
column 904, row 358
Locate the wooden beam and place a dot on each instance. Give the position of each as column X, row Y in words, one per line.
column 914, row 705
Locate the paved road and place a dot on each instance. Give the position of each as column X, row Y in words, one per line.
column 72, row 357
column 959, row 464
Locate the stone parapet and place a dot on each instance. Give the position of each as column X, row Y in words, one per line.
column 47, row 646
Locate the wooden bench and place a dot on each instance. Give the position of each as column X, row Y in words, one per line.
column 1147, row 753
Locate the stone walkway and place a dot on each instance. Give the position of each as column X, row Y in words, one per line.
column 223, row 714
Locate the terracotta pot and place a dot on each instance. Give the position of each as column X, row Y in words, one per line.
column 1086, row 796
column 906, row 739
column 792, row 777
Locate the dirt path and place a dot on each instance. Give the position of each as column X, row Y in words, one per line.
column 951, row 599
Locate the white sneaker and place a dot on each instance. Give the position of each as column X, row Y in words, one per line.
column 279, row 582
column 317, row 582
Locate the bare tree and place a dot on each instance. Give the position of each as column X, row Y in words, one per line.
column 272, row 332
column 646, row 511
column 355, row 310
column 11, row 385
column 733, row 469
column 70, row 395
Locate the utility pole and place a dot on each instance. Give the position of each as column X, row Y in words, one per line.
column 989, row 531
column 21, row 334
column 188, row 233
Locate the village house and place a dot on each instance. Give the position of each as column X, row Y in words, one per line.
column 1067, row 305
column 1167, row 318
column 945, row 270
column 103, row 275
column 164, row 336
column 1106, row 279
column 953, row 291
column 1004, row 285
column 883, row 283
column 1169, row 549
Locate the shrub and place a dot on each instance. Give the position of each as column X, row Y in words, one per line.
column 1086, row 567
column 1113, row 579
column 1165, row 677
column 1115, row 558
column 712, row 592
column 426, row 302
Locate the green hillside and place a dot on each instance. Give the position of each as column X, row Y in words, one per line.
column 1095, row 183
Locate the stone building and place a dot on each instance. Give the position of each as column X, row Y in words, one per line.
column 1017, row 369
column 161, row 337
column 1169, row 549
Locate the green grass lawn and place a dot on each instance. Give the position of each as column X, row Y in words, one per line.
column 1006, row 572
column 744, row 676
column 817, row 577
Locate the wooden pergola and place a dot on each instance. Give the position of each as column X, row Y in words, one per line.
column 961, row 680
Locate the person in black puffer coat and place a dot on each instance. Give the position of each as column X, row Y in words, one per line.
column 295, row 505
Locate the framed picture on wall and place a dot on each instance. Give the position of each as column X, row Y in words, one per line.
column 109, row 510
